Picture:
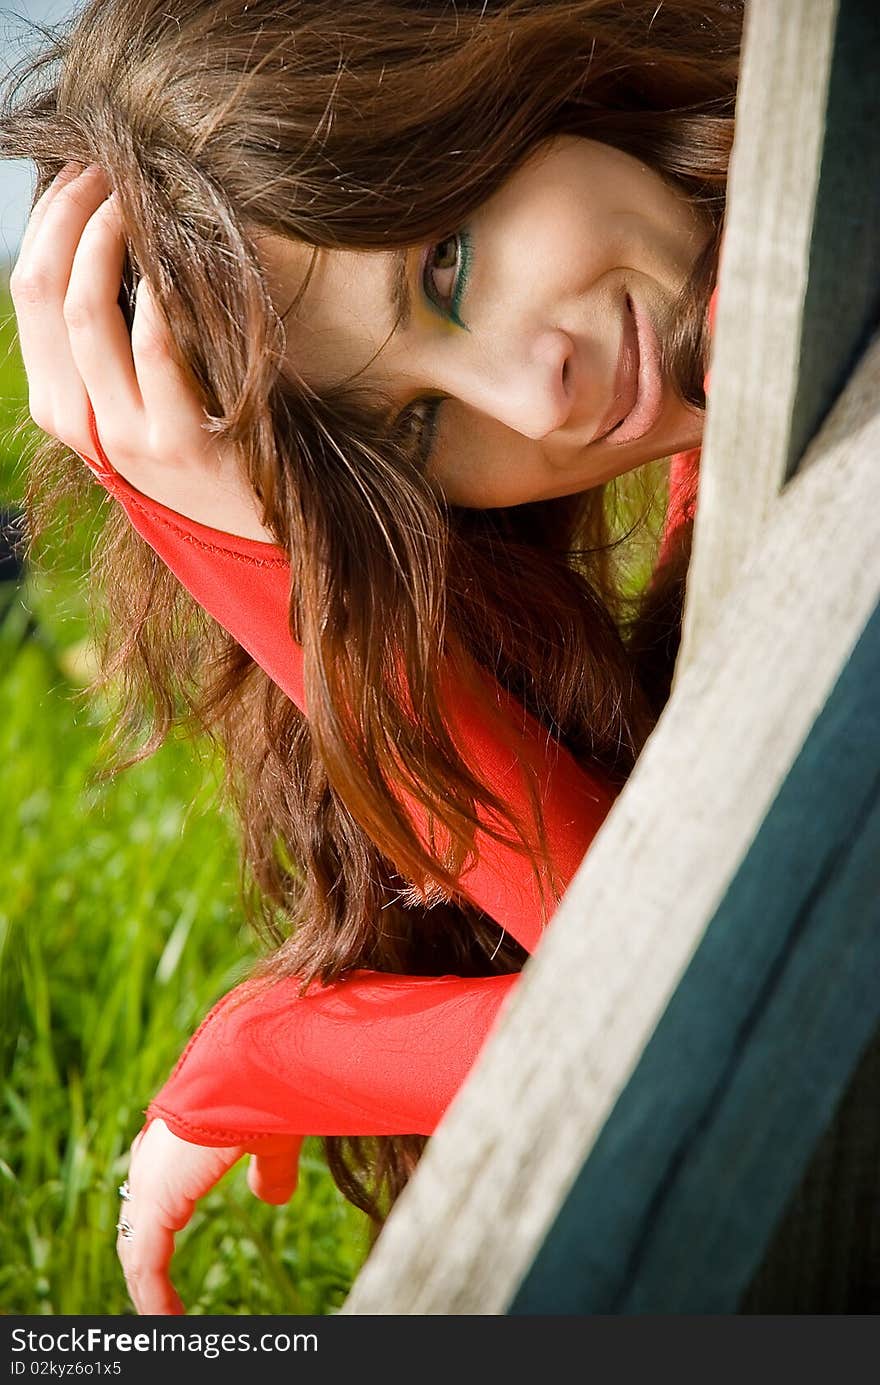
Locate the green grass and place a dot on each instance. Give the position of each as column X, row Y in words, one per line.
column 119, row 927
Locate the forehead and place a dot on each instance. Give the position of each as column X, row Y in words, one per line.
column 343, row 317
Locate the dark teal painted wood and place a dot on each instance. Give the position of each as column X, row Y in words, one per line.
column 824, row 1256
column 842, row 301
column 675, row 1205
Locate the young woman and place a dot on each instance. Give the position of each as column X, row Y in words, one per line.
column 412, row 292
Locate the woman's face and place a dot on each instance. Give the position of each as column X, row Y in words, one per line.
column 538, row 338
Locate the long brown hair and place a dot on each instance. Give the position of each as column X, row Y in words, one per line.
column 379, row 124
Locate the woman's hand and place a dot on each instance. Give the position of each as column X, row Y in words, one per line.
column 76, row 347
column 166, row 1178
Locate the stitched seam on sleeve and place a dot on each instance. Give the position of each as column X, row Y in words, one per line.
column 233, row 1137
column 202, row 543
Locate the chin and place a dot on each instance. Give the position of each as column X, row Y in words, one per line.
column 687, row 433
column 680, row 435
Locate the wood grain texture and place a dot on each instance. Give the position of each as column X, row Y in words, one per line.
column 495, row 1174
column 774, row 176
column 674, row 1207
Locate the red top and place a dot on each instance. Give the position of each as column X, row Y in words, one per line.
column 376, row 1053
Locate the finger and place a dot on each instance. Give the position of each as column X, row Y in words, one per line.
column 99, row 340
column 57, row 235
column 173, row 410
column 66, row 175
column 145, row 1257
column 145, row 1254
column 273, row 1177
column 57, row 396
column 186, row 467
column 133, row 1149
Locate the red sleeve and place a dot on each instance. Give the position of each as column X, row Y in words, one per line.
column 245, row 583
column 375, row 1054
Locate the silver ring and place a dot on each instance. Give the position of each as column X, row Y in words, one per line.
column 125, row 1227
column 125, row 1191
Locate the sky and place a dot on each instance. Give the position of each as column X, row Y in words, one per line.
column 18, row 177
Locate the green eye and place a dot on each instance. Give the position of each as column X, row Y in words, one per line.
column 454, row 259
column 450, row 241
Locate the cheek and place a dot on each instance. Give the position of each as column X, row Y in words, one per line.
column 575, row 237
column 480, row 464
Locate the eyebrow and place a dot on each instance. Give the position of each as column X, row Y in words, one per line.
column 399, row 293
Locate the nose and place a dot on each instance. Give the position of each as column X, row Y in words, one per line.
column 523, row 383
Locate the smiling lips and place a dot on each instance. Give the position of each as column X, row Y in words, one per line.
column 638, row 389
column 626, row 378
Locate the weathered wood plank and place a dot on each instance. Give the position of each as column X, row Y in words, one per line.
column 676, row 1203
column 774, row 177
column 492, row 1180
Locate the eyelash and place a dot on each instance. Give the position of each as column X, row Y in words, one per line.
column 425, row 434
